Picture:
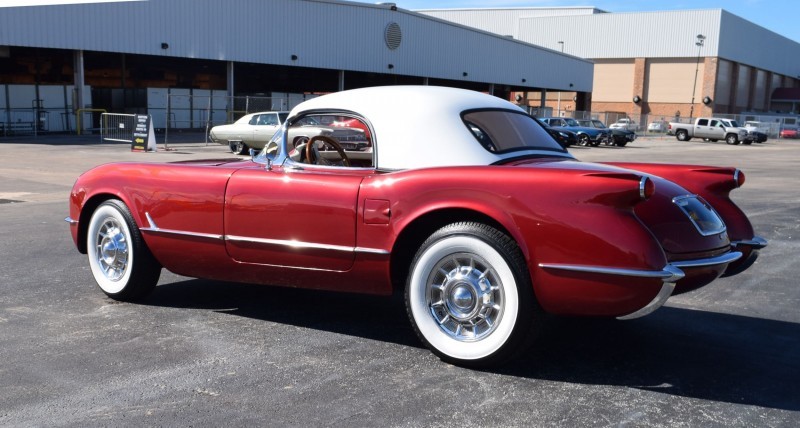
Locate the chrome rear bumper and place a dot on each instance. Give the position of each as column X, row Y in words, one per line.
column 669, row 275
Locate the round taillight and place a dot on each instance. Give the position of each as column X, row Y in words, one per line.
column 646, row 188
column 738, row 177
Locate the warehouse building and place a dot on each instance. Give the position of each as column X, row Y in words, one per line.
column 672, row 63
column 186, row 61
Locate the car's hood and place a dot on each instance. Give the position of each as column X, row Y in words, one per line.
column 228, row 162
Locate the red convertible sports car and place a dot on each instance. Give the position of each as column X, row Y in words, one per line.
column 473, row 212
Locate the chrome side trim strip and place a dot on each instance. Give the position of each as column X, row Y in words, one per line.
column 289, row 243
column 155, row 229
column 668, row 274
column 756, row 243
column 281, row 242
column 371, row 250
column 305, row 245
column 725, row 258
column 71, row 221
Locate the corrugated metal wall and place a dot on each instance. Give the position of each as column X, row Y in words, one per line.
column 627, row 35
column 662, row 34
column 503, row 21
column 322, row 34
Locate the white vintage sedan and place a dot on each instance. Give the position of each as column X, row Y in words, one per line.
column 250, row 131
column 254, row 130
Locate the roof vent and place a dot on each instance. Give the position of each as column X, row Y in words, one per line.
column 392, row 35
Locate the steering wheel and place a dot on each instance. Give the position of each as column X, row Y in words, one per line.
column 312, row 154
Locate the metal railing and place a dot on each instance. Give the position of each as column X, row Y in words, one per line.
column 117, row 127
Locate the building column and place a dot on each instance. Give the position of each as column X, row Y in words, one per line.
column 639, row 77
column 735, row 88
column 341, row 80
column 543, row 99
column 78, row 80
column 229, row 80
column 709, row 86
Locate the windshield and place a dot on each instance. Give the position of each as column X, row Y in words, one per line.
column 501, row 131
column 571, row 122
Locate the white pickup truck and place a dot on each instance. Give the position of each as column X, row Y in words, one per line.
column 710, row 128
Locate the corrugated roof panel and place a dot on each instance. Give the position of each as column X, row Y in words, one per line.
column 323, row 34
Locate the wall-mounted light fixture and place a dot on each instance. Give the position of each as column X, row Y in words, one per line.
column 164, row 45
column 294, row 57
column 465, row 74
column 575, row 98
column 707, row 100
column 518, row 97
column 390, row 66
column 636, row 99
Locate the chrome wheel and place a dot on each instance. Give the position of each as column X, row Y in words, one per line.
column 465, row 296
column 112, row 249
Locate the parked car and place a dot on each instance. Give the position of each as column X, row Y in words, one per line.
column 710, row 129
column 564, row 137
column 586, row 136
column 619, row 137
column 625, row 123
column 789, row 132
column 252, row 131
column 757, row 131
column 658, row 126
column 467, row 207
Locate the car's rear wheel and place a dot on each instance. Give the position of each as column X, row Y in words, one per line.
column 682, row 135
column 120, row 261
column 469, row 296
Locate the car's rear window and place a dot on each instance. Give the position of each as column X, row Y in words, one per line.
column 500, row 131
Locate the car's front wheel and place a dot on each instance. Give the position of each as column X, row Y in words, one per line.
column 469, row 296
column 238, row 147
column 119, row 259
column 732, row 139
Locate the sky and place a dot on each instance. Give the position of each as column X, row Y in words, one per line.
column 780, row 16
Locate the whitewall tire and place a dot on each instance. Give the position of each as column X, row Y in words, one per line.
column 121, row 263
column 469, row 295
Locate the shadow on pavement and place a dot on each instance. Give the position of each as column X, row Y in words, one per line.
column 711, row 356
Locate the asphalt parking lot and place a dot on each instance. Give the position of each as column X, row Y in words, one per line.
column 207, row 353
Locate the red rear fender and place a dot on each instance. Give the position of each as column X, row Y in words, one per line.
column 714, row 184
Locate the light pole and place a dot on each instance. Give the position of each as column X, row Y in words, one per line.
column 700, row 39
column 558, row 108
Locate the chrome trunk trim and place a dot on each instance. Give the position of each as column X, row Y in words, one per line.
column 756, row 243
column 711, row 261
